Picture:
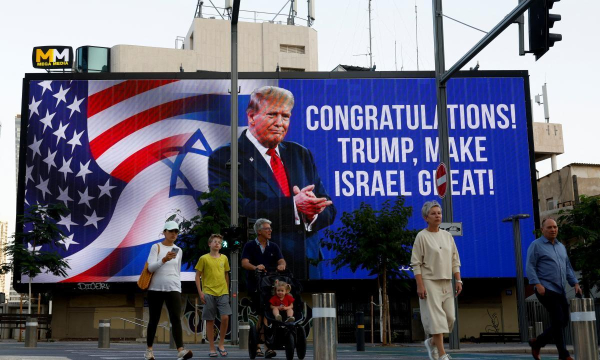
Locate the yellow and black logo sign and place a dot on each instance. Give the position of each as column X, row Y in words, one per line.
column 52, row 57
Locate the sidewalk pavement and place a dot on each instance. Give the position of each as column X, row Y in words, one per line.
column 88, row 350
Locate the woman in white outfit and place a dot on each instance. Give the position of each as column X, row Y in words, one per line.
column 434, row 261
column 164, row 262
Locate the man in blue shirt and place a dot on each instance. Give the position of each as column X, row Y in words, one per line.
column 261, row 255
column 549, row 269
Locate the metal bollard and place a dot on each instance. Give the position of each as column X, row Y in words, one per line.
column 359, row 319
column 171, row 338
column 324, row 326
column 31, row 332
column 539, row 328
column 104, row 334
column 530, row 332
column 583, row 323
column 244, row 331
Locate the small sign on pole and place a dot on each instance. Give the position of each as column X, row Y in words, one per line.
column 454, row 228
column 441, row 180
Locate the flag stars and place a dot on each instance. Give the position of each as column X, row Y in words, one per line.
column 35, row 146
column 61, row 95
column 43, row 186
column 105, row 189
column 32, row 250
column 92, row 219
column 60, row 133
column 46, row 85
column 68, row 241
column 47, row 121
column 49, row 160
column 84, row 198
column 66, row 222
column 33, row 107
column 75, row 140
column 28, row 176
column 75, row 106
column 64, row 195
column 84, row 171
column 66, row 167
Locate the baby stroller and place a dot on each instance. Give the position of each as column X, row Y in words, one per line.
column 279, row 335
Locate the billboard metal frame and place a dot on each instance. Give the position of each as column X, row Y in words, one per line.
column 189, row 286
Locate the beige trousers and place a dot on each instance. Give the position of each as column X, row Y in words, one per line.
column 437, row 309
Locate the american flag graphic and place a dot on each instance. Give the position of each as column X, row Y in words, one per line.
column 122, row 155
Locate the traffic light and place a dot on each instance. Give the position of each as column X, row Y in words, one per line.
column 540, row 23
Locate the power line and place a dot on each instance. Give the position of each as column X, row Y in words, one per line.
column 465, row 24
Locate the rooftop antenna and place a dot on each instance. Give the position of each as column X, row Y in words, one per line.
column 370, row 39
column 544, row 100
column 293, row 12
column 228, row 8
column 395, row 56
column 417, row 33
column 401, row 58
column 311, row 13
column 198, row 13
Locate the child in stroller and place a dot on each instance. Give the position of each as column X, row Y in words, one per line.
column 288, row 335
column 282, row 301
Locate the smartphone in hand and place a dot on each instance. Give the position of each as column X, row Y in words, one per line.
column 175, row 250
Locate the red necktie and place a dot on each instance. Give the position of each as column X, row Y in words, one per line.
column 279, row 172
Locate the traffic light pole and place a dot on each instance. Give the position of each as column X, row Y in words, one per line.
column 234, row 169
column 441, row 78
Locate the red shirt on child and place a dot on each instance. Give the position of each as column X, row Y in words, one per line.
column 286, row 301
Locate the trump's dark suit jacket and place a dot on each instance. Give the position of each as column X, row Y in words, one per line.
column 262, row 197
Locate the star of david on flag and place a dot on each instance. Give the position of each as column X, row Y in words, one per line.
column 122, row 155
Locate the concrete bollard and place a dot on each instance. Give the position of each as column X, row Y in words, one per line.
column 359, row 319
column 104, row 334
column 324, row 326
column 539, row 328
column 31, row 332
column 583, row 323
column 244, row 330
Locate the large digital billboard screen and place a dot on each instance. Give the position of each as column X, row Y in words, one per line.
column 125, row 154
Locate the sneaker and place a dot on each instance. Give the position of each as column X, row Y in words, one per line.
column 432, row 351
column 184, row 354
column 149, row 355
column 278, row 317
column 290, row 319
column 446, row 357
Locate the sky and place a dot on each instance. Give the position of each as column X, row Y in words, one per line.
column 569, row 68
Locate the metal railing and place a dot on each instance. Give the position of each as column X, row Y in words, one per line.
column 537, row 313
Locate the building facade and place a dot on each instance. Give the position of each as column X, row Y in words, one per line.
column 560, row 189
column 262, row 47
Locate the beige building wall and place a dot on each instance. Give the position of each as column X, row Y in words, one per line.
column 556, row 191
column 207, row 47
column 547, row 140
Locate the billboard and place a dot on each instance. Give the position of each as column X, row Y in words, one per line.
column 124, row 154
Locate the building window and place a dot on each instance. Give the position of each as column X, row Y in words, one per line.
column 292, row 49
column 550, row 204
column 289, row 69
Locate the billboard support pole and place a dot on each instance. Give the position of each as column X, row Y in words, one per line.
column 441, row 78
column 233, row 190
column 444, row 147
column 521, row 306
